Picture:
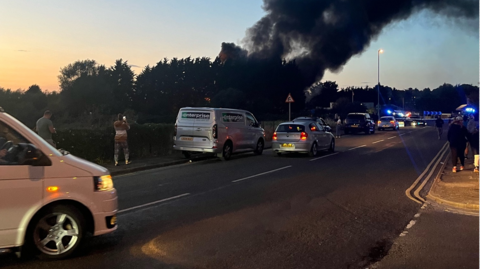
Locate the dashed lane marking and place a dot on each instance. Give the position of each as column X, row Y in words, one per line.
column 152, row 203
column 378, row 141
column 325, row 156
column 261, row 174
column 392, row 137
column 358, row 147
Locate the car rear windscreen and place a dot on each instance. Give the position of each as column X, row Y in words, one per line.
column 291, row 128
column 356, row 117
column 387, row 119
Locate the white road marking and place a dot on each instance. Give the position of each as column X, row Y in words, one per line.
column 391, row 137
column 410, row 225
column 417, row 215
column 152, row 203
column 324, row 156
column 358, row 147
column 407, row 192
column 264, row 173
column 378, row 141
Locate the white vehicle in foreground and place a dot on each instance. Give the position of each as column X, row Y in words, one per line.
column 49, row 200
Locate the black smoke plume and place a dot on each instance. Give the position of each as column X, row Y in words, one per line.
column 325, row 34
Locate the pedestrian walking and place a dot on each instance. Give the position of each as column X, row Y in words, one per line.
column 457, row 137
column 45, row 127
column 474, row 144
column 439, row 124
column 338, row 127
column 121, row 127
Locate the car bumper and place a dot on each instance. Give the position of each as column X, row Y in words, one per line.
column 193, row 149
column 105, row 218
column 296, row 146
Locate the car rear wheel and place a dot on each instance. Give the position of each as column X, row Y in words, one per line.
column 259, row 149
column 332, row 146
column 56, row 232
column 226, row 152
column 313, row 150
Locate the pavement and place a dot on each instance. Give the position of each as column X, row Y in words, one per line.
column 457, row 190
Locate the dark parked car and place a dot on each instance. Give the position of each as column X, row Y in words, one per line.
column 359, row 122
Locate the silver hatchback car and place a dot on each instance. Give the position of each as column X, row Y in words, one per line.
column 303, row 136
column 388, row 122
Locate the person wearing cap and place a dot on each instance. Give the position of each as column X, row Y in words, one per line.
column 457, row 137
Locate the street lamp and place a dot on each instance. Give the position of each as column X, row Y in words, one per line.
column 378, row 84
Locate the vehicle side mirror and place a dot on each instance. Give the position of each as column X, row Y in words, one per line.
column 328, row 128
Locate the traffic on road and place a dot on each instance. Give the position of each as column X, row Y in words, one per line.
column 73, row 198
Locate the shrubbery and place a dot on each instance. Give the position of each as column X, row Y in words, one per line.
column 97, row 145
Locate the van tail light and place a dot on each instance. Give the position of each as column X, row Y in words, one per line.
column 392, row 122
column 379, row 122
column 215, row 131
column 274, row 136
column 175, row 131
column 303, row 136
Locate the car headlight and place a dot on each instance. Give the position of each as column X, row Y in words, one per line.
column 103, row 183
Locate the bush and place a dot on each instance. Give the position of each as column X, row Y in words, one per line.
column 97, row 145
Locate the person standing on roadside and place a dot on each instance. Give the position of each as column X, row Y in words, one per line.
column 457, row 137
column 439, row 124
column 338, row 127
column 45, row 128
column 121, row 127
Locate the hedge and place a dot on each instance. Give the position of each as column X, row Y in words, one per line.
column 97, row 145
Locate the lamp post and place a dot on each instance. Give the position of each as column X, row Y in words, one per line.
column 378, row 84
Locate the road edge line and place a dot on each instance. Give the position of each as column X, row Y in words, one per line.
column 416, row 193
column 407, row 191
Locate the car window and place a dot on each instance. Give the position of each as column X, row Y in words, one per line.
column 315, row 127
column 356, row 117
column 251, row 121
column 9, row 144
column 291, row 128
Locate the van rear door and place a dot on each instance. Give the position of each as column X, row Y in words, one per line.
column 202, row 131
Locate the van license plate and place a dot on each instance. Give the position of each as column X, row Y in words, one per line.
column 186, row 138
column 285, row 145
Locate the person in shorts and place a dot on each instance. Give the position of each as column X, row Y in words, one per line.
column 121, row 127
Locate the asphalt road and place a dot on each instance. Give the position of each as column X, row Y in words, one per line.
column 341, row 210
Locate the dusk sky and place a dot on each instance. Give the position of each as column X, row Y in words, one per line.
column 38, row 38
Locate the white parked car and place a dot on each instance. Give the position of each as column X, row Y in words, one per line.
column 49, row 200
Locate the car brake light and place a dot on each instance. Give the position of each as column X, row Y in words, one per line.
column 175, row 130
column 214, row 131
column 274, row 136
column 392, row 122
column 379, row 122
column 303, row 136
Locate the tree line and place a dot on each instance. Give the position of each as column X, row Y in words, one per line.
column 91, row 93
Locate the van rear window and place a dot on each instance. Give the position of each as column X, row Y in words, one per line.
column 291, row 128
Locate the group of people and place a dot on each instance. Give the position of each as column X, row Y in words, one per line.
column 45, row 130
column 462, row 135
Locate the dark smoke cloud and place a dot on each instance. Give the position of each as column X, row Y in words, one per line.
column 231, row 51
column 325, row 34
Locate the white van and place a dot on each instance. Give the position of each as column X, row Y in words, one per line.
column 217, row 130
column 49, row 200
